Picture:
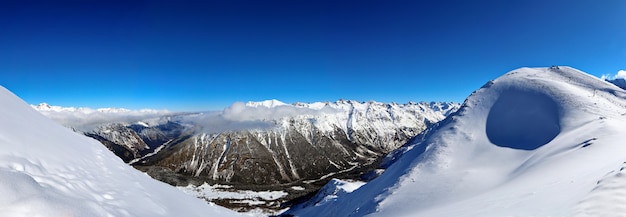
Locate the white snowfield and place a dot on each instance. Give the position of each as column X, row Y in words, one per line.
column 534, row 142
column 48, row 170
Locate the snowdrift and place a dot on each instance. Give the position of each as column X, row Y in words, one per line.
column 534, row 142
column 48, row 170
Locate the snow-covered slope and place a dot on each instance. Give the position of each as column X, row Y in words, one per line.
column 534, row 142
column 48, row 170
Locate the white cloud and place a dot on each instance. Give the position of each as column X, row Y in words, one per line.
column 237, row 116
column 86, row 119
column 241, row 112
column 242, row 116
column 621, row 74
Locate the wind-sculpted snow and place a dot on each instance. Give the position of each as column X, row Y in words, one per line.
column 474, row 162
column 48, row 170
column 523, row 119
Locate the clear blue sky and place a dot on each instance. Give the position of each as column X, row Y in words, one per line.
column 204, row 55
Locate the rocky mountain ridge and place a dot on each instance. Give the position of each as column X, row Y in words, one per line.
column 269, row 143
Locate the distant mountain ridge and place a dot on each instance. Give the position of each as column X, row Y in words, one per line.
column 620, row 82
column 46, row 107
column 269, row 143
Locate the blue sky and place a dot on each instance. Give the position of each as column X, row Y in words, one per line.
column 204, row 55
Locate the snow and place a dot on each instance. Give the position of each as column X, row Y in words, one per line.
column 141, row 123
column 607, row 198
column 534, row 142
column 382, row 120
column 249, row 197
column 267, row 103
column 334, row 189
column 522, row 120
column 219, row 191
column 48, row 170
column 298, row 188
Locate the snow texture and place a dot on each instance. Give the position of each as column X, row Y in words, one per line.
column 534, row 142
column 334, row 189
column 48, row 170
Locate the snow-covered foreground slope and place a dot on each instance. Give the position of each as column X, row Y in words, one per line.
column 48, row 170
column 534, row 142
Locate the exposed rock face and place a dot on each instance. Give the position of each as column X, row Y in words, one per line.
column 132, row 141
column 267, row 145
column 300, row 142
column 264, row 157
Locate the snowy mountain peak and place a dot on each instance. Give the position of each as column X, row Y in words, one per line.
column 533, row 142
column 46, row 107
column 43, row 106
column 267, row 103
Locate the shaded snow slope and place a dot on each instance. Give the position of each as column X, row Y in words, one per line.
column 48, row 170
column 522, row 119
column 534, row 142
column 620, row 82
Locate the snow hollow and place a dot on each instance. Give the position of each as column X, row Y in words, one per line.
column 533, row 142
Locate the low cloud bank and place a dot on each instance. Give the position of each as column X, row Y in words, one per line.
column 237, row 116
column 87, row 119
column 238, row 111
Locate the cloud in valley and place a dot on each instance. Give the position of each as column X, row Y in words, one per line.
column 86, row 119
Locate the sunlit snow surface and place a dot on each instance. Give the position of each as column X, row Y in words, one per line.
column 48, row 170
column 252, row 198
column 534, row 142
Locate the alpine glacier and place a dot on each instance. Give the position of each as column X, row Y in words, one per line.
column 48, row 170
column 534, row 142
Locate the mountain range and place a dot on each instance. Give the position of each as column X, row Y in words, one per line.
column 533, row 142
column 259, row 146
